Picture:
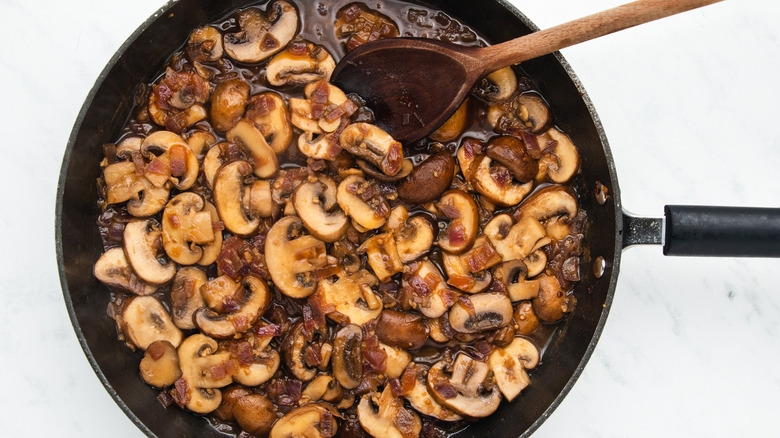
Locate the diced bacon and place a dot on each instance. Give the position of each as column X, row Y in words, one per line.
column 446, row 390
column 461, row 282
column 181, row 392
column 243, row 352
column 465, row 302
column 177, row 156
column 456, row 234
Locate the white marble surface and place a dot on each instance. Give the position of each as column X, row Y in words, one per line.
column 690, row 107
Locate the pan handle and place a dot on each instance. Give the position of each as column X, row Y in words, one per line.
column 708, row 231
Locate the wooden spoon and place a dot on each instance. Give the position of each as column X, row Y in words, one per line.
column 413, row 85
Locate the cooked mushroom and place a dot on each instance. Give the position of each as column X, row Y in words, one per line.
column 385, row 416
column 553, row 302
column 373, row 145
column 509, row 365
column 467, row 390
column 525, row 112
column 294, row 348
column 497, row 86
column 205, row 44
column 382, row 255
column 455, row 125
column 176, row 162
column 255, row 414
column 429, row 179
column 160, row 364
column 469, row 271
column 314, row 420
column 228, row 103
column 113, row 269
column 245, row 134
column 495, row 182
column 268, row 112
column 525, row 319
column 514, row 241
column 230, row 395
column 362, row 202
column 186, row 224
column 176, row 101
column 402, row 329
column 560, row 161
column 347, row 357
column 291, row 257
column 261, row 37
column 511, row 153
column 535, row 263
column 186, row 297
column 220, row 293
column 396, row 361
column 461, row 232
column 257, row 298
column 413, row 236
column 351, row 297
column 302, row 62
column 199, row 360
column 229, row 194
column 513, row 274
column 369, row 169
column 315, row 203
column 430, row 293
column 480, row 312
column 123, row 183
column 265, row 362
column 323, row 108
column 143, row 249
column 200, row 142
column 422, row 401
column 356, row 24
column 470, row 149
column 549, row 202
column 322, row 387
column 144, row 320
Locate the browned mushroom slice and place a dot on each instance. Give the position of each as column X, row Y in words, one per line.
column 361, row 200
column 144, row 320
column 382, row 255
column 385, row 415
column 294, row 349
column 511, row 153
column 123, row 183
column 396, row 361
column 257, row 298
column 550, row 202
column 514, row 241
column 560, row 160
column 199, row 360
column 525, row 112
column 204, row 44
column 300, row 63
column 264, row 364
column 509, row 365
column 467, row 389
column 413, row 236
column 268, row 112
column 422, row 401
column 429, row 179
column 143, row 249
column 497, row 86
column 351, row 297
column 186, row 224
column 347, row 357
column 221, row 293
column 455, row 125
column 314, row 420
column 245, row 134
column 291, row 257
column 255, row 414
column 229, row 193
column 461, row 232
column 113, row 269
column 371, row 170
column 322, row 387
column 535, row 263
column 429, row 291
column 171, row 160
column 469, row 271
column 526, row 321
column 553, row 302
column 261, row 37
column 160, row 364
column 470, row 149
column 228, row 103
column 402, row 329
column 481, row 312
column 200, row 142
column 356, row 24
column 373, row 145
column 175, row 102
column 513, row 275
column 186, row 297
column 315, row 203
column 496, row 182
column 322, row 110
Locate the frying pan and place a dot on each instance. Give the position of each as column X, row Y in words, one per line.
column 104, row 112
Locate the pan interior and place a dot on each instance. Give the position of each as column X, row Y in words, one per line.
column 104, row 114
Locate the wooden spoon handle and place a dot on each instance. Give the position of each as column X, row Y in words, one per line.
column 583, row 29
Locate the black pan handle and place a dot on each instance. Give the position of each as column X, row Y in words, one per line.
column 708, row 231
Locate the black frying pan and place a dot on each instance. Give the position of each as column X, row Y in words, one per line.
column 704, row 231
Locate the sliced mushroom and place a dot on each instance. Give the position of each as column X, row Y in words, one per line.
column 514, row 241
column 291, row 257
column 382, row 255
column 257, row 298
column 361, row 201
column 186, row 224
column 268, row 112
column 265, row 363
column 535, row 263
column 511, row 153
column 176, row 101
column 245, row 134
column 413, row 236
column 497, row 86
column 470, row 149
column 186, row 297
column 160, row 364
column 347, row 358
column 322, row 387
column 429, row 179
column 373, row 145
column 321, row 147
column 481, row 312
column 229, row 194
column 396, row 362
column 550, row 202
column 205, row 44
column 525, row 112
column 199, row 359
column 315, row 203
column 200, row 142
column 509, row 365
column 369, row 169
column 385, row 416
column 553, row 302
column 302, row 62
column 496, row 182
column 176, row 162
column 461, row 232
column 323, row 108
column 294, row 347
column 467, row 390
column 402, row 329
column 230, row 395
column 144, row 320
column 351, row 296
column 228, row 103
column 526, row 321
column 560, row 161
column 143, row 249
column 430, row 293
column 220, row 293
column 261, row 37
column 113, row 269
column 469, row 271
column 123, row 183
column 314, row 420
column 513, row 274
column 422, row 401
column 255, row 414
column 455, row 125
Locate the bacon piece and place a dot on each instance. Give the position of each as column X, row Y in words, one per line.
column 446, row 390
column 243, row 352
column 181, row 392
column 177, row 156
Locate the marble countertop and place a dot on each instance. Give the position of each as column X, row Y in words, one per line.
column 689, row 105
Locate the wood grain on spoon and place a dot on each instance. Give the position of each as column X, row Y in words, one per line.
column 413, row 84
